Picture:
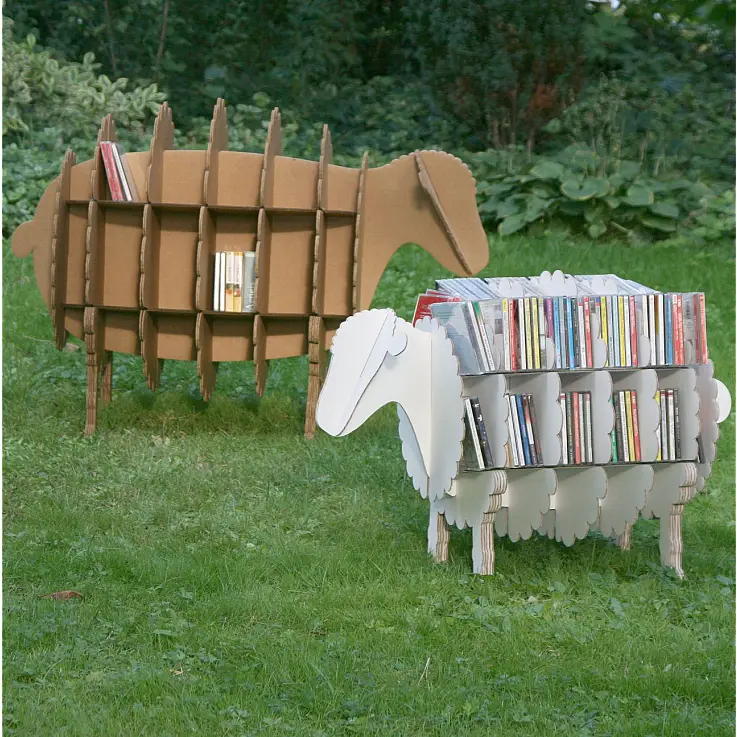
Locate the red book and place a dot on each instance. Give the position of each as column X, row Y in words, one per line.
column 697, row 327
column 587, row 326
column 422, row 308
column 116, row 191
column 576, row 430
column 633, row 329
column 702, row 328
column 635, row 427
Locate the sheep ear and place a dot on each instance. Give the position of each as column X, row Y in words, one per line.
column 398, row 342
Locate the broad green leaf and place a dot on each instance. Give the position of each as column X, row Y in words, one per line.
column 638, row 195
column 507, row 208
column 629, row 169
column 548, row 170
column 665, row 209
column 596, row 229
column 656, row 223
column 612, row 201
column 511, row 224
column 594, row 187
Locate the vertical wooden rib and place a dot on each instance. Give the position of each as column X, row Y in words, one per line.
column 60, row 251
column 106, row 385
column 94, row 257
column 94, row 345
column 316, row 353
column 260, row 364
column 162, row 139
column 358, row 238
column 443, row 538
column 218, row 142
column 149, row 349
column 106, row 133
column 206, row 369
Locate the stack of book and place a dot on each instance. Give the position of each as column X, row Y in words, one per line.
column 523, row 448
column 494, row 332
column 669, row 429
column 577, row 430
column 119, row 178
column 476, row 448
column 625, row 436
column 234, row 281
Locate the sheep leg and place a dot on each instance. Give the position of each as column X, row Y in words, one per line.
column 671, row 539
column 624, row 541
column 438, row 535
column 106, row 387
column 92, row 392
column 483, row 546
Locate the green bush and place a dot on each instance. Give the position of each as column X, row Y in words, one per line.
column 40, row 92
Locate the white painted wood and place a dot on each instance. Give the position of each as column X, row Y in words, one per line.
column 626, row 496
column 576, row 502
column 599, row 383
column 527, row 498
column 645, row 383
column 709, row 413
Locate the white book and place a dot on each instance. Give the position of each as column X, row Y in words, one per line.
column 651, row 329
column 249, row 281
column 663, row 426
column 661, row 328
column 229, row 274
column 512, row 432
column 517, row 433
column 238, row 281
column 671, row 426
column 658, row 434
column 610, row 331
column 563, row 431
column 581, row 334
column 216, row 284
column 121, row 173
column 582, row 427
column 505, row 332
column 522, row 334
column 483, row 335
column 589, row 433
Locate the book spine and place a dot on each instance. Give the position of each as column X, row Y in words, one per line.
column 679, row 328
column 587, row 330
column 671, row 427
column 643, row 322
column 589, row 428
column 474, row 335
column 514, row 360
column 523, row 430
column 518, row 430
column 562, row 327
column 633, row 330
column 474, row 433
column 563, row 430
column 630, row 428
column 611, row 329
column 570, row 423
column 627, row 332
column 677, row 423
column 622, row 349
column 127, row 173
column 605, row 329
column 249, row 281
column 625, row 428
column 114, row 148
column 522, row 334
column 528, row 427
column 701, row 327
column 543, row 333
column 535, row 318
column 481, row 428
column 664, row 425
column 635, row 426
column 659, row 456
column 529, row 354
column 237, row 281
column 651, row 324
column 557, row 334
column 619, row 426
column 660, row 304
column 506, row 330
column 535, row 430
column 229, row 275
column 582, row 361
column 116, row 193
column 513, row 431
column 613, row 434
column 576, row 428
column 570, row 333
column 216, row 284
column 668, row 330
column 484, row 337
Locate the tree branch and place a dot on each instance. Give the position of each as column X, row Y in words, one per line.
column 109, row 28
column 162, row 40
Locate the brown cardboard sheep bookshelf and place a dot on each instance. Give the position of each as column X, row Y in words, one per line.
column 137, row 277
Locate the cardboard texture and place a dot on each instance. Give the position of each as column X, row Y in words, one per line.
column 379, row 358
column 323, row 235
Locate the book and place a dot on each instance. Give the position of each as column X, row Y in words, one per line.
column 529, row 355
column 481, row 430
column 677, row 423
column 587, row 325
column 563, row 430
column 557, row 334
column 216, row 283
column 513, row 431
column 115, row 149
column 576, row 428
column 671, row 426
column 570, row 424
column 622, row 331
column 668, row 308
column 630, row 425
column 659, row 455
column 424, row 301
column 508, row 327
column 127, row 174
column 472, row 458
column 528, row 426
column 664, row 426
column 517, row 432
column 589, row 428
column 625, row 427
column 474, row 333
column 237, row 281
column 704, row 358
column 618, row 426
column 111, row 172
column 535, row 321
column 520, row 309
column 249, row 281
column 606, row 329
column 514, row 361
column 523, row 430
column 486, row 343
column 635, row 426
column 582, row 358
column 613, row 434
column 451, row 315
column 229, row 280
column 570, row 333
column 633, row 331
column 535, row 430
column 543, row 358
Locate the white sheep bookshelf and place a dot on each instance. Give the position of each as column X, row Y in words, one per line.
column 379, row 358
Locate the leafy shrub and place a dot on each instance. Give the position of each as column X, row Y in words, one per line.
column 601, row 196
column 40, row 92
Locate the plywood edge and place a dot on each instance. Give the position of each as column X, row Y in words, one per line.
column 106, row 132
column 218, row 142
column 148, row 336
column 358, row 238
column 206, row 369
column 204, row 266
column 162, row 139
column 272, row 149
column 59, row 250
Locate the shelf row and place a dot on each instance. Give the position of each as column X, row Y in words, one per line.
column 545, row 390
column 150, row 258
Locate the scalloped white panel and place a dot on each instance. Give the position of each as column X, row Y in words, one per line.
column 527, row 499
column 626, row 496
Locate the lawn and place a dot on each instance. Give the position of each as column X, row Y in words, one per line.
column 241, row 580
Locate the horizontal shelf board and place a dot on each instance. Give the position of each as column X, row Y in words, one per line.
column 119, row 204
column 575, row 466
column 290, row 211
column 564, row 372
column 118, row 308
column 169, row 311
column 224, row 313
column 174, row 206
column 342, row 213
column 233, row 209
column 79, row 202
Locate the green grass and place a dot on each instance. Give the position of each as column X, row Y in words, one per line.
column 240, row 580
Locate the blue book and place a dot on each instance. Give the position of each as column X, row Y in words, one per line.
column 668, row 329
column 556, row 334
column 523, row 429
column 571, row 344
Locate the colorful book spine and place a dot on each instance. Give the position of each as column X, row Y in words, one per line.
column 659, row 455
column 652, row 335
column 523, row 430
column 111, row 172
column 661, row 329
column 677, row 423
column 563, row 430
column 635, row 426
column 570, row 333
column 513, row 336
column 576, row 428
column 513, row 431
column 543, row 333
column 633, row 330
column 619, row 427
column 582, row 360
column 620, row 313
column 630, row 426
column 535, row 322
column 522, row 333
column 589, row 434
column 679, row 328
column 613, row 434
column 529, row 353
column 668, row 307
column 605, row 329
column 557, row 334
column 229, row 271
column 507, row 335
column 587, row 329
column 481, row 429
column 664, row 425
column 702, row 328
column 626, row 331
column 625, row 428
column 671, row 426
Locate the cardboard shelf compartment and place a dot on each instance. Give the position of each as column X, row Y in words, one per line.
column 232, row 336
column 120, row 329
column 174, row 335
column 76, row 234
column 684, row 381
column 169, row 259
column 181, row 177
column 238, row 179
column 284, row 336
column 337, row 267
